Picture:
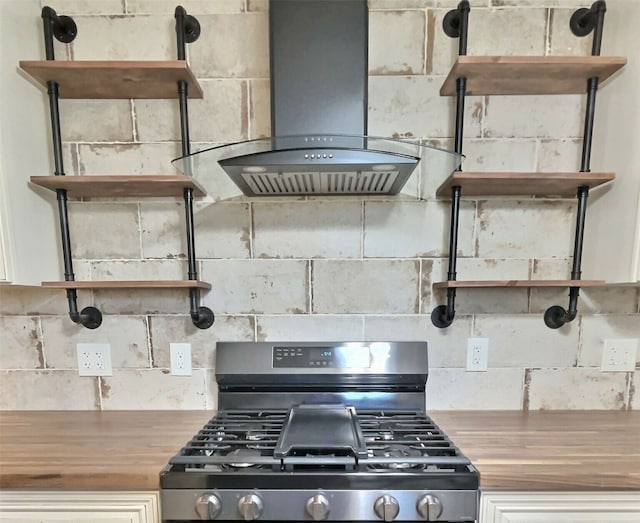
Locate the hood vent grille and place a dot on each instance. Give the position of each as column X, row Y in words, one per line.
column 303, row 183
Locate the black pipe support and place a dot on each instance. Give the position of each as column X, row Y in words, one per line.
column 585, row 20
column 455, row 25
column 62, row 27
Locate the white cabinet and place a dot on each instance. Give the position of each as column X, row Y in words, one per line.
column 559, row 507
column 612, row 237
column 79, row 507
column 29, row 238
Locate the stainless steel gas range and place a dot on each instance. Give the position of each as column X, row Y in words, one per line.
column 320, row 431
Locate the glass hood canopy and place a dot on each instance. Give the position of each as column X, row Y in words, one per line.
column 319, row 165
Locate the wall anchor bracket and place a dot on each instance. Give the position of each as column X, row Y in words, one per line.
column 585, row 19
column 452, row 23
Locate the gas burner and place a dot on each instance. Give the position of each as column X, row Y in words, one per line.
column 241, row 454
column 397, row 452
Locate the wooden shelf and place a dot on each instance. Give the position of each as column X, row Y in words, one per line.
column 524, row 75
column 461, row 284
column 128, row 284
column 120, row 186
column 114, row 79
column 521, row 183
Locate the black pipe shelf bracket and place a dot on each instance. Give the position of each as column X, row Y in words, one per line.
column 188, row 31
column 455, row 25
column 582, row 22
column 64, row 29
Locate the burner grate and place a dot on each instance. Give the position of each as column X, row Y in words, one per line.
column 395, row 441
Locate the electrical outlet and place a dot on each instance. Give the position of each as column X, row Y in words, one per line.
column 619, row 355
column 180, row 359
column 477, row 354
column 94, row 359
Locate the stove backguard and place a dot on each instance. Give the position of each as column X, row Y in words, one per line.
column 282, row 374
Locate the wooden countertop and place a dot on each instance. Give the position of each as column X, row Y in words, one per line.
column 577, row 450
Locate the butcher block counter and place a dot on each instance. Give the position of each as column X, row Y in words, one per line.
column 110, row 450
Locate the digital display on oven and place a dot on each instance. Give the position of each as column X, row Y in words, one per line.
column 343, row 357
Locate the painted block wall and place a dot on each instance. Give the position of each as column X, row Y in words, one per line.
column 319, row 268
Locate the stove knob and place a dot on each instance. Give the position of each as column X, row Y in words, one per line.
column 386, row 507
column 429, row 507
column 318, row 507
column 208, row 506
column 250, row 507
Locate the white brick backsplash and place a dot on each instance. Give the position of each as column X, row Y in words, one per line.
column 148, row 158
column 507, row 32
column 482, row 269
column 220, row 115
column 500, row 155
column 551, row 269
column 483, row 301
column 562, row 42
column 47, row 390
column 312, row 229
column 497, row 389
column 371, row 286
column 20, row 343
column 232, row 45
column 142, row 301
column 180, row 329
column 399, row 4
column 559, row 155
column 89, row 7
column 222, row 230
column 257, row 286
column 634, row 391
column 139, row 270
column 593, row 300
column 447, row 347
column 596, row 329
column 194, row 7
column 259, row 109
column 78, row 120
column 544, row 347
column 104, row 230
column 538, row 3
column 127, row 337
column 34, row 300
column 557, row 116
column 411, row 107
column 414, row 229
column 151, row 389
column 396, row 42
column 144, row 37
column 522, row 229
column 576, row 389
column 304, row 327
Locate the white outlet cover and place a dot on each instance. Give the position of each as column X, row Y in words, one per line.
column 94, row 359
column 180, row 355
column 477, row 354
column 619, row 355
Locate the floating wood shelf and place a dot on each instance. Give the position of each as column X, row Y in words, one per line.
column 90, row 79
column 128, row 284
column 461, row 284
column 475, row 184
column 120, row 186
column 525, row 75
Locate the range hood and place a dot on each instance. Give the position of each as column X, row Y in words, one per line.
column 319, row 73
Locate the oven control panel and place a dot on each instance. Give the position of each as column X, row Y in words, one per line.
column 321, row 357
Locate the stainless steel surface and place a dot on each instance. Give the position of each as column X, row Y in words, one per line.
column 311, row 42
column 346, row 505
column 386, row 507
column 250, row 507
column 208, row 506
column 317, row 507
column 429, row 507
column 386, row 358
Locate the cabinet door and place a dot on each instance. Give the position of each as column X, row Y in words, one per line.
column 557, row 507
column 79, row 507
